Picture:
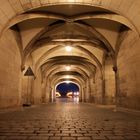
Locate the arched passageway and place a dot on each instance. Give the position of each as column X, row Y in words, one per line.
column 67, row 92
column 94, row 43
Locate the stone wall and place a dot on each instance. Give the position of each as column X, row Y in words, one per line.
column 37, row 88
column 27, row 82
column 92, row 88
column 10, row 70
column 98, row 87
column 128, row 62
column 109, row 82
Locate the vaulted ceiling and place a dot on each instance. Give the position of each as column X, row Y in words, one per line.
column 91, row 31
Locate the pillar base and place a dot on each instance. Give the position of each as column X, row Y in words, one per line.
column 26, row 105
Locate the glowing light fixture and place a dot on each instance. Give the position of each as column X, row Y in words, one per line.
column 67, row 76
column 67, row 82
column 68, row 48
column 67, row 68
column 71, row 0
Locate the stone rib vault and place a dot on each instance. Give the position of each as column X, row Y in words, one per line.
column 98, row 39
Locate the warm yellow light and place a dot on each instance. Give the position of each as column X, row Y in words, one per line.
column 67, row 76
column 57, row 94
column 68, row 48
column 67, row 82
column 68, row 68
column 71, row 0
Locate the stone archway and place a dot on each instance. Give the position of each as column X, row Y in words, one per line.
column 69, row 92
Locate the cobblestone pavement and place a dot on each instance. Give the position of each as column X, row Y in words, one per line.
column 68, row 121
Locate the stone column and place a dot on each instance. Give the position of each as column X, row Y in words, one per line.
column 92, row 88
column 80, row 95
column 83, row 94
column 115, row 69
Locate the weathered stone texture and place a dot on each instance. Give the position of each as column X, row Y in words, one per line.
column 109, row 81
column 129, row 72
column 99, row 87
column 37, row 88
column 10, row 70
column 68, row 121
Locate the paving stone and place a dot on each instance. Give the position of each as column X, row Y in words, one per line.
column 131, row 137
column 55, row 138
column 16, row 138
column 68, row 122
column 62, row 134
column 84, row 138
column 90, row 135
column 76, row 135
column 115, row 137
column 38, row 138
column 68, row 138
column 99, row 138
column 69, row 131
column 2, row 137
column 55, row 132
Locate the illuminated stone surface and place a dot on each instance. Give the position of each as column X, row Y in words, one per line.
column 68, row 121
column 104, row 60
